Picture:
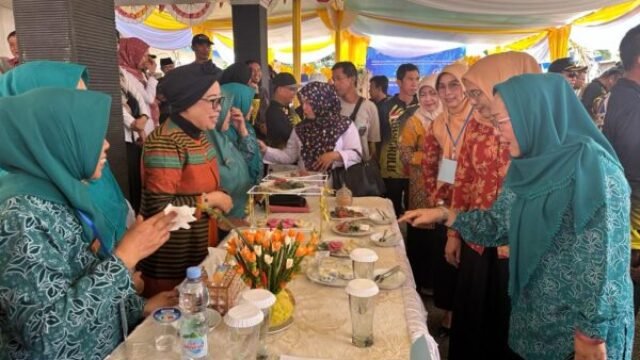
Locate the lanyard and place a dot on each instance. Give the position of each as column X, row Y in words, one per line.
column 455, row 142
column 96, row 235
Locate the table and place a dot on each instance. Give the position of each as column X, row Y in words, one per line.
column 322, row 324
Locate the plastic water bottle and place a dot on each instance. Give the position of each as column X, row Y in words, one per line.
column 194, row 298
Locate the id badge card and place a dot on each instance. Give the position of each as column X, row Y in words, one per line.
column 447, row 171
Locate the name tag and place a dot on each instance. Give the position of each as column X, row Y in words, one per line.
column 447, row 172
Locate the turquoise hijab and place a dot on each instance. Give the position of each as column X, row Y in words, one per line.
column 105, row 192
column 50, row 141
column 560, row 168
column 38, row 74
column 232, row 166
column 241, row 96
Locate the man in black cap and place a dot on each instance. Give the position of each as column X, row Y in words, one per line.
column 280, row 116
column 201, row 46
column 598, row 90
column 567, row 68
column 166, row 65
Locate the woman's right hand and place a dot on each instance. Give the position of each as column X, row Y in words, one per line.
column 263, row 147
column 422, row 217
column 452, row 250
column 144, row 238
column 220, row 200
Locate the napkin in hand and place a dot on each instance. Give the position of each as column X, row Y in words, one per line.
column 184, row 216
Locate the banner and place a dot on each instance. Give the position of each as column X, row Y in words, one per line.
column 380, row 64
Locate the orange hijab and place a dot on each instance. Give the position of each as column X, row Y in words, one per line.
column 454, row 119
column 494, row 69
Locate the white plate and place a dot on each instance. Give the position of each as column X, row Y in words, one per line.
column 392, row 239
column 392, row 282
column 363, row 211
column 377, row 219
column 350, row 244
column 312, row 274
column 334, row 228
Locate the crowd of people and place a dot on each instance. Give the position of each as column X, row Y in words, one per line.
column 518, row 189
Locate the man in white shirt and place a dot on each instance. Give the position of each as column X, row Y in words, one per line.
column 362, row 112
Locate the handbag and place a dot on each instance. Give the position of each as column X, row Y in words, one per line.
column 363, row 179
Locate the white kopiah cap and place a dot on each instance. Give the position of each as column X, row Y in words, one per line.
column 261, row 298
column 243, row 316
column 364, row 255
column 362, row 288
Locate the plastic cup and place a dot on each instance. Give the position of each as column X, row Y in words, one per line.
column 364, row 261
column 165, row 320
column 244, row 322
column 362, row 294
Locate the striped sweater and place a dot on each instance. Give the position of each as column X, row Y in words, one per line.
column 177, row 169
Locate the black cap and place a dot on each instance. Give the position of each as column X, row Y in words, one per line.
column 565, row 64
column 166, row 61
column 283, row 79
column 201, row 39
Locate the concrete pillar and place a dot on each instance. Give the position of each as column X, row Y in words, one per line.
column 80, row 31
column 250, row 32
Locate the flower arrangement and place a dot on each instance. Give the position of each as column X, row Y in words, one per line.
column 270, row 258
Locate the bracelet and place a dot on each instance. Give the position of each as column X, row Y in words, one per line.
column 445, row 214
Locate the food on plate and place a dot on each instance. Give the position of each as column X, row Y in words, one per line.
column 299, row 173
column 339, row 247
column 286, row 223
column 284, row 184
column 345, row 212
column 352, row 227
column 327, row 274
column 345, row 273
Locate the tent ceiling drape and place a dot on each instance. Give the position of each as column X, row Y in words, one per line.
column 519, row 8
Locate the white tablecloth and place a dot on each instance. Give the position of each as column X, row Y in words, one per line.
column 322, row 325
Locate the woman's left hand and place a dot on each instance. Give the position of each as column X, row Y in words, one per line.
column 325, row 160
column 138, row 283
column 163, row 299
column 589, row 349
column 238, row 122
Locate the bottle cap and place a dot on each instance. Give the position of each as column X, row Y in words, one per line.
column 261, row 298
column 243, row 316
column 194, row 272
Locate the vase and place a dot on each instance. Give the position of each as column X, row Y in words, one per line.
column 282, row 311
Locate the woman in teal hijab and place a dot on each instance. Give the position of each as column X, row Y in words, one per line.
column 105, row 192
column 60, row 299
column 232, row 159
column 564, row 212
column 240, row 96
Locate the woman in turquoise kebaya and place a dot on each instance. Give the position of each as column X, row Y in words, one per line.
column 564, row 212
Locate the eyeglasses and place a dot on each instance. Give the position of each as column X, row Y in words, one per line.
column 215, row 102
column 474, row 93
column 496, row 122
column 453, row 86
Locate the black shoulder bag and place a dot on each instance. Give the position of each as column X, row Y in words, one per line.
column 364, row 178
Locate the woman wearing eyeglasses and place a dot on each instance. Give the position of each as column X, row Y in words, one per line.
column 481, row 300
column 442, row 145
column 411, row 154
column 180, row 167
column 564, row 212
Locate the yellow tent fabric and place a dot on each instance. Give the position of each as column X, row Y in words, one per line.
column 164, row 21
column 607, row 14
column 559, row 42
